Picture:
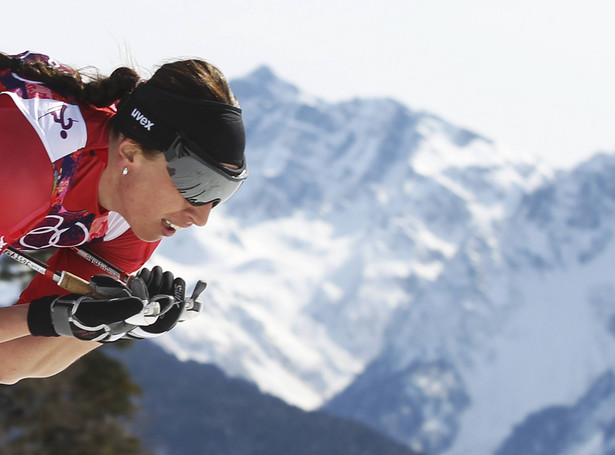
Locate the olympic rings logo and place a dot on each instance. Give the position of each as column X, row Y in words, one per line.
column 55, row 239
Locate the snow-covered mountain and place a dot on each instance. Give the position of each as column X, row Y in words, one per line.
column 393, row 268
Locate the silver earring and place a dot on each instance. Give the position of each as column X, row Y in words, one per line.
column 125, row 171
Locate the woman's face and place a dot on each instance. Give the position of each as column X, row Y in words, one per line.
column 151, row 204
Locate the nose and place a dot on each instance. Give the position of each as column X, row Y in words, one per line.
column 199, row 214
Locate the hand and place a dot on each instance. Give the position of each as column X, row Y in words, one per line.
column 171, row 292
column 88, row 318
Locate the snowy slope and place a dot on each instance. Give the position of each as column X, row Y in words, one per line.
column 401, row 271
column 520, row 317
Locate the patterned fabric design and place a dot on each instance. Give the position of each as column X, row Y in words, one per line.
column 60, row 228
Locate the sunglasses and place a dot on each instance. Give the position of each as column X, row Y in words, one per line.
column 201, row 180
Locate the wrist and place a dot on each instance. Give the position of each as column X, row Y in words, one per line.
column 39, row 319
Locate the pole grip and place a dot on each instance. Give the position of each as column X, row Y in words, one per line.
column 77, row 285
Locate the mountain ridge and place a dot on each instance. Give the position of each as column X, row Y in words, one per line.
column 373, row 244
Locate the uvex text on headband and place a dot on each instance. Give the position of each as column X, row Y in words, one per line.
column 206, row 134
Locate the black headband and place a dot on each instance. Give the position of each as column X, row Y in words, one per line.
column 154, row 117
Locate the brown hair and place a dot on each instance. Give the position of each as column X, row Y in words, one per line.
column 192, row 77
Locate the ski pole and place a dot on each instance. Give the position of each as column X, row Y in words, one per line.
column 64, row 279
column 69, row 281
column 104, row 265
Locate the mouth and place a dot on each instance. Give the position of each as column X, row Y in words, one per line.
column 170, row 225
column 170, row 228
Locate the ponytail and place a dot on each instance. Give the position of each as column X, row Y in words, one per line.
column 99, row 91
column 104, row 91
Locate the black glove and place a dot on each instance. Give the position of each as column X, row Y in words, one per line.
column 163, row 287
column 89, row 318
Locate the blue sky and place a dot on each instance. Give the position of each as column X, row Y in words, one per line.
column 536, row 75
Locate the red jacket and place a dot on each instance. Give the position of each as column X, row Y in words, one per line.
column 52, row 154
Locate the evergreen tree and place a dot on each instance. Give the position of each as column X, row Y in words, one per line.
column 83, row 410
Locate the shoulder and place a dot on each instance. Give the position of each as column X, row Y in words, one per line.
column 60, row 126
column 26, row 172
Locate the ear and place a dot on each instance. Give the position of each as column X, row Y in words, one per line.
column 127, row 152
